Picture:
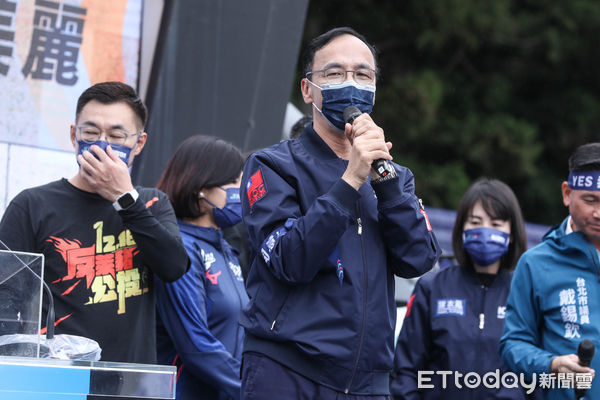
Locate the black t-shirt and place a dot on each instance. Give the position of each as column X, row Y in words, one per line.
column 99, row 262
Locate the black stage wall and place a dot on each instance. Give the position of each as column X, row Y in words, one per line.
column 223, row 68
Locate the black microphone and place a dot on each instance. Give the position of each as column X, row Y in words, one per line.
column 585, row 352
column 379, row 165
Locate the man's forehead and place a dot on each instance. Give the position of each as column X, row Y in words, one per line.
column 119, row 113
column 347, row 51
column 586, row 193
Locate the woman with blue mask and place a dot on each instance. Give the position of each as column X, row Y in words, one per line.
column 197, row 315
column 455, row 316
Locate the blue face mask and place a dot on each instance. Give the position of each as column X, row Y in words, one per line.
column 231, row 213
column 337, row 97
column 485, row 245
column 121, row 150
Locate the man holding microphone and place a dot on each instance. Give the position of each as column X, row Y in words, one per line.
column 552, row 309
column 329, row 234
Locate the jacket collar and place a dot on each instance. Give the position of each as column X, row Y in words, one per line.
column 574, row 249
column 471, row 275
column 313, row 143
column 574, row 241
column 557, row 231
column 209, row 235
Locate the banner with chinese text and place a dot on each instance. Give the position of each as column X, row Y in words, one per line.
column 50, row 52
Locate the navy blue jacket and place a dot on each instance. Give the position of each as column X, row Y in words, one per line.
column 453, row 323
column 322, row 282
column 197, row 321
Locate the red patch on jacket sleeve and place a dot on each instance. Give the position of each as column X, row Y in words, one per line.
column 255, row 187
column 409, row 305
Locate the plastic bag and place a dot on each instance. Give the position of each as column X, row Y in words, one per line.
column 61, row 347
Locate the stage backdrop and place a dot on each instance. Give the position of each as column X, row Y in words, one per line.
column 223, row 68
column 50, row 52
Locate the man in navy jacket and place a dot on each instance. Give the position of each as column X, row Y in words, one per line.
column 328, row 235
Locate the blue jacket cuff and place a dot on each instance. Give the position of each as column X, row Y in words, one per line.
column 344, row 195
column 388, row 190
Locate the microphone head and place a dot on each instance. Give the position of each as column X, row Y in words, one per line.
column 350, row 114
column 585, row 352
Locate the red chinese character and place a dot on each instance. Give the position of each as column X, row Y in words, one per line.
column 124, row 258
column 105, row 264
column 82, row 262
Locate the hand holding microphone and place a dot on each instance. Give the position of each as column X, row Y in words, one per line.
column 369, row 149
column 576, row 363
column 379, row 165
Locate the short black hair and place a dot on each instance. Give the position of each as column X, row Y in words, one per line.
column 114, row 92
column 499, row 201
column 321, row 41
column 200, row 162
column 299, row 126
column 585, row 158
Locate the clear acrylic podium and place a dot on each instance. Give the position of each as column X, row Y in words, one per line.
column 26, row 370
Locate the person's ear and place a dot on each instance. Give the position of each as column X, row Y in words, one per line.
column 141, row 142
column 566, row 194
column 306, row 89
column 73, row 136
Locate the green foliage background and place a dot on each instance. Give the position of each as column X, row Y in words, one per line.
column 504, row 89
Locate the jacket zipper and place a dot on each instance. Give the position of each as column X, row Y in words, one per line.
column 481, row 325
column 482, row 314
column 364, row 300
column 279, row 311
column 234, row 284
column 482, row 320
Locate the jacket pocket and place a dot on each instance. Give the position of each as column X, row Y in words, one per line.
column 280, row 314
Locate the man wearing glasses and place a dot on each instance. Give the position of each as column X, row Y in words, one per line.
column 102, row 239
column 329, row 233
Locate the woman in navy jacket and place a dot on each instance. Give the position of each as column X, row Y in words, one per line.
column 197, row 318
column 455, row 316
